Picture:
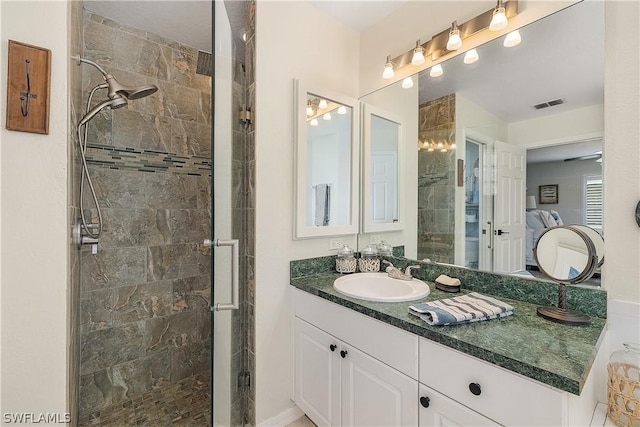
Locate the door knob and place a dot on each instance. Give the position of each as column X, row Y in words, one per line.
column 501, row 232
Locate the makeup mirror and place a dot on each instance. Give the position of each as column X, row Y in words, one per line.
column 568, row 256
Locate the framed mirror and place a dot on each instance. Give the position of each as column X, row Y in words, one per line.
column 382, row 160
column 545, row 97
column 327, row 146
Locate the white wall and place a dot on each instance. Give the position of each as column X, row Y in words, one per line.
column 34, row 233
column 563, row 128
column 622, row 150
column 294, row 40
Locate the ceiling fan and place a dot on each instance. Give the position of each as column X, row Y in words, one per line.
column 597, row 156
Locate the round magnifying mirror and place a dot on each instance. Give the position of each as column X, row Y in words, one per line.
column 566, row 255
column 596, row 238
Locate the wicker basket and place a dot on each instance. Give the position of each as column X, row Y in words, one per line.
column 623, row 394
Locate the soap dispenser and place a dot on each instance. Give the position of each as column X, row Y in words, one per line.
column 369, row 261
column 345, row 261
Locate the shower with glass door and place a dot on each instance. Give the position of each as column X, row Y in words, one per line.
column 156, row 344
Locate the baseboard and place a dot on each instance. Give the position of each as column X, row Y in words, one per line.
column 283, row 418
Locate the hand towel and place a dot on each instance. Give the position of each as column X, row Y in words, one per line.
column 323, row 206
column 472, row 307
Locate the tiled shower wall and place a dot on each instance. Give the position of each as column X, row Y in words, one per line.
column 436, row 182
column 145, row 323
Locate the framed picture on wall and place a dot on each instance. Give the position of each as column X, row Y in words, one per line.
column 548, row 194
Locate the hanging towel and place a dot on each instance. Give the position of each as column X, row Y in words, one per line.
column 472, row 307
column 323, row 197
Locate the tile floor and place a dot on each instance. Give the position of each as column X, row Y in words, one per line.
column 185, row 403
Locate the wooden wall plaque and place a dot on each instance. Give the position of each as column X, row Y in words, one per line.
column 28, row 88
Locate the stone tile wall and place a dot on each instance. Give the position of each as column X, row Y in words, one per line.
column 145, row 296
column 436, row 182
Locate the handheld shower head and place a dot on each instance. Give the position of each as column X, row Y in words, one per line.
column 113, row 104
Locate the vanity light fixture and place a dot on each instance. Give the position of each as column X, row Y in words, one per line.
column 451, row 39
column 326, row 116
column 418, row 54
column 436, row 71
column 388, row 69
column 309, row 109
column 322, row 104
column 471, row 56
column 342, row 109
column 407, row 83
column 512, row 39
column 314, row 122
column 499, row 20
column 454, row 42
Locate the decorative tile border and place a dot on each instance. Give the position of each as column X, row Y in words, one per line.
column 126, row 158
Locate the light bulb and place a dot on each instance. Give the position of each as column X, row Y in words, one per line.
column 443, row 150
column 407, row 83
column 418, row 55
column 388, row 69
column 430, row 149
column 314, row 122
column 471, row 56
column 512, row 39
column 326, row 116
column 454, row 42
column 439, row 145
column 436, row 71
column 322, row 104
column 453, row 146
column 342, row 109
column 499, row 19
column 309, row 111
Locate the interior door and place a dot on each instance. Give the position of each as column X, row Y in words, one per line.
column 384, row 184
column 509, row 208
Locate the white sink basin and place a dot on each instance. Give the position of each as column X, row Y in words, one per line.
column 380, row 287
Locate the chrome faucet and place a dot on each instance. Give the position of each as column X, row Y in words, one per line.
column 397, row 274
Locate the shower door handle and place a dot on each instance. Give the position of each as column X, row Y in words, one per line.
column 235, row 290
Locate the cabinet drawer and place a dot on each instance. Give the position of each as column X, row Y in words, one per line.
column 503, row 396
column 391, row 345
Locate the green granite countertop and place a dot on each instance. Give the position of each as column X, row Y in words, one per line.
column 552, row 353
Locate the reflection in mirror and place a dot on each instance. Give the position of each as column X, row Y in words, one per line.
column 567, row 255
column 381, row 163
column 326, row 163
column 476, row 118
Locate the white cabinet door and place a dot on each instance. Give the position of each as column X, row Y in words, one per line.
column 317, row 374
column 437, row 410
column 374, row 394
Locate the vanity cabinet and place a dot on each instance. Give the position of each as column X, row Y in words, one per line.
column 337, row 384
column 354, row 370
column 437, row 410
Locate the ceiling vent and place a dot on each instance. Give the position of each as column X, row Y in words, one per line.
column 548, row 104
column 204, row 63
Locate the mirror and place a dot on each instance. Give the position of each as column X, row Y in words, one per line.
column 381, row 163
column 567, row 255
column 326, row 163
column 468, row 123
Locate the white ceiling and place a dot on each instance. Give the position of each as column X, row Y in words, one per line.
column 505, row 82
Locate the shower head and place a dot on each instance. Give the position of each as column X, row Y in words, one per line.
column 131, row 92
column 117, row 102
column 118, row 89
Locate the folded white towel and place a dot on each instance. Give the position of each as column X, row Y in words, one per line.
column 472, row 307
